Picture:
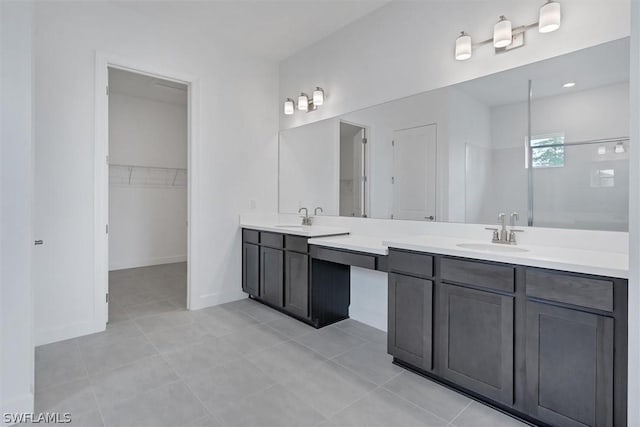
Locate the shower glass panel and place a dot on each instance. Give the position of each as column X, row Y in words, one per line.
column 578, row 159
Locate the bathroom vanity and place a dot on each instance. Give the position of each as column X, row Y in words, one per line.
column 308, row 282
column 547, row 345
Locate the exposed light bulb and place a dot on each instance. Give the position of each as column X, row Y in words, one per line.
column 289, row 106
column 303, row 102
column 502, row 33
column 602, row 150
column 550, row 17
column 318, row 96
column 463, row 47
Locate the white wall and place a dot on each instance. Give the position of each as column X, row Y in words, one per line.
column 407, row 47
column 633, row 397
column 147, row 224
column 234, row 164
column 16, row 325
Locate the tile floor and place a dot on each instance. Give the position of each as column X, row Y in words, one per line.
column 238, row 364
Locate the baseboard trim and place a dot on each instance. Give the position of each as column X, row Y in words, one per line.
column 145, row 262
column 18, row 405
column 48, row 336
column 209, row 300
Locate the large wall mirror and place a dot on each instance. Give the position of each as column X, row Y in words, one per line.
column 548, row 140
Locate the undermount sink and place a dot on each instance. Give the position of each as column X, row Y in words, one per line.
column 289, row 226
column 490, row 247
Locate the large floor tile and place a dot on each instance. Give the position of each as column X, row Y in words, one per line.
column 370, row 361
column 164, row 321
column 261, row 312
column 75, row 397
column 363, row 331
column 226, row 384
column 170, row 405
column 115, row 333
column 208, row 421
column 330, row 341
column 479, row 415
column 177, row 337
column 150, row 308
column 382, row 408
column 275, row 407
column 229, row 320
column 445, row 403
column 329, row 388
column 254, row 338
column 201, row 356
column 128, row 381
column 55, row 350
column 290, row 327
column 286, row 360
column 56, row 369
column 101, row 358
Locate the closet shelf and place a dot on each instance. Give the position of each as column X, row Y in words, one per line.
column 147, row 176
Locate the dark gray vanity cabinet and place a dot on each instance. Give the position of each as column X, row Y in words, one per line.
column 477, row 342
column 276, row 271
column 271, row 275
column 545, row 345
column 572, row 340
column 410, row 314
column 569, row 360
column 251, row 269
column 296, row 283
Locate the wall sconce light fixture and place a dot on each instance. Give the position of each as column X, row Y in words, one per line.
column 506, row 37
column 305, row 103
column 289, row 106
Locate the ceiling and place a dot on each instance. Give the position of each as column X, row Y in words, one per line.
column 142, row 86
column 588, row 68
column 272, row 29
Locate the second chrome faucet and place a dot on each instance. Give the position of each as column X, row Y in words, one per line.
column 502, row 235
column 306, row 219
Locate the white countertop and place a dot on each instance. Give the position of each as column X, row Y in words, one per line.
column 353, row 242
column 298, row 230
column 611, row 264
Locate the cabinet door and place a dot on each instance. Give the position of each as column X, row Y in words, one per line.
column 569, row 359
column 250, row 269
column 410, row 320
column 271, row 275
column 476, row 348
column 296, row 283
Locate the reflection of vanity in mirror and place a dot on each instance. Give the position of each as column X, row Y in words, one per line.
column 461, row 153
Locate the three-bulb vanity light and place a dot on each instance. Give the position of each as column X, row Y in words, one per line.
column 305, row 103
column 505, row 37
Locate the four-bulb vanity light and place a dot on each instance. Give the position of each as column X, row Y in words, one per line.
column 305, row 103
column 505, row 37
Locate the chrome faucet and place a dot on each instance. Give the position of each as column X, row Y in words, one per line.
column 502, row 235
column 315, row 211
column 306, row 219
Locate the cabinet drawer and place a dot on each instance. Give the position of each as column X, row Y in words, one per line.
column 348, row 258
column 576, row 290
column 273, row 240
column 295, row 243
column 250, row 236
column 411, row 263
column 490, row 276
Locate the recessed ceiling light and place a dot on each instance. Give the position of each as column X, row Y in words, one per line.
column 569, row 84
